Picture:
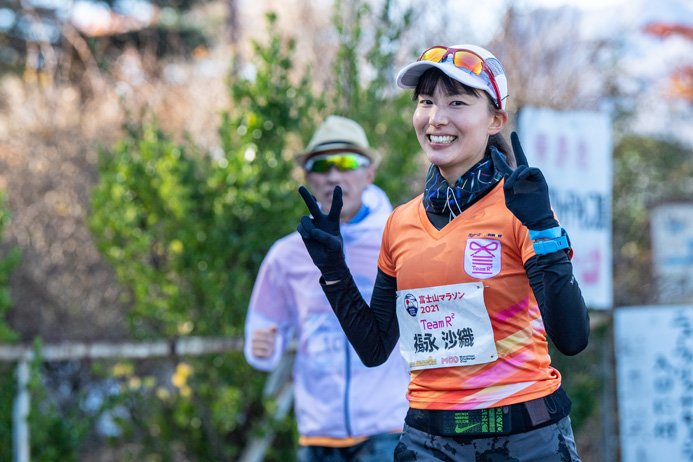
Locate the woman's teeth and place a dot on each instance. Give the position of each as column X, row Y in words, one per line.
column 441, row 139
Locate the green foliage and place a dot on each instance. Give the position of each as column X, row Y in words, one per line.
column 185, row 408
column 139, row 205
column 8, row 378
column 7, row 264
column 647, row 171
column 186, row 232
column 8, row 390
column 386, row 116
column 583, row 379
column 57, row 432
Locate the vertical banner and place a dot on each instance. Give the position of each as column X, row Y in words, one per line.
column 672, row 251
column 574, row 151
column 654, row 368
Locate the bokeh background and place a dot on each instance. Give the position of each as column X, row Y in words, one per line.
column 146, row 167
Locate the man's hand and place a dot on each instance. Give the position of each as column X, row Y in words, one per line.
column 321, row 236
column 526, row 191
column 262, row 342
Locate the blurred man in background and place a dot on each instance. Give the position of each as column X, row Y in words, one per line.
column 345, row 411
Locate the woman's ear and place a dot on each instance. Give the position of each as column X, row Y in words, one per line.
column 498, row 121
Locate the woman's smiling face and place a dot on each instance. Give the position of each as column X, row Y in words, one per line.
column 453, row 129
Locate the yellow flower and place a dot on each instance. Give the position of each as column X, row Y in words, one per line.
column 180, row 377
column 184, row 328
column 122, row 369
column 162, row 393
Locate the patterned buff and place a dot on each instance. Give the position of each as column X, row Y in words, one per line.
column 439, row 196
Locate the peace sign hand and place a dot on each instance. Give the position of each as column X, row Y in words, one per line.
column 526, row 191
column 321, row 235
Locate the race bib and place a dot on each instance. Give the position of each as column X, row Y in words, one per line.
column 445, row 326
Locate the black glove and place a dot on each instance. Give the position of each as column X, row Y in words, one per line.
column 526, row 191
column 321, row 236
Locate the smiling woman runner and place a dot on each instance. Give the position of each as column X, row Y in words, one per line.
column 472, row 276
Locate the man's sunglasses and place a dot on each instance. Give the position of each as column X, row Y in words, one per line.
column 343, row 161
column 464, row 59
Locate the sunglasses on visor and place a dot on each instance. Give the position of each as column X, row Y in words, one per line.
column 463, row 59
column 343, row 161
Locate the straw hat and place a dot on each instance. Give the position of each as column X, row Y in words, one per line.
column 339, row 134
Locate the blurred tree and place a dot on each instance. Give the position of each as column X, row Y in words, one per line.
column 183, row 228
column 681, row 78
column 8, row 389
column 71, row 42
column 57, row 433
column 647, row 171
column 386, row 116
column 9, row 261
column 186, row 231
column 7, row 381
column 544, row 69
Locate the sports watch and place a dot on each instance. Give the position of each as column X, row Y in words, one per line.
column 557, row 239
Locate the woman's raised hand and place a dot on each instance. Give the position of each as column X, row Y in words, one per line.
column 321, row 235
column 526, row 191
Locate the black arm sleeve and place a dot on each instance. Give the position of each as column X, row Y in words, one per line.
column 560, row 301
column 372, row 331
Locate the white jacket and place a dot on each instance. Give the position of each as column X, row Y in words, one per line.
column 335, row 394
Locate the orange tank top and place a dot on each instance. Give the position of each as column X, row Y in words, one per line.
column 487, row 244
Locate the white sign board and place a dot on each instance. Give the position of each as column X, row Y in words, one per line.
column 574, row 151
column 654, row 366
column 672, row 251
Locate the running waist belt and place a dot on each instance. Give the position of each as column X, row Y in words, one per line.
column 494, row 421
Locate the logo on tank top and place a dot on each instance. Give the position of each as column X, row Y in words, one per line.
column 411, row 304
column 482, row 258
